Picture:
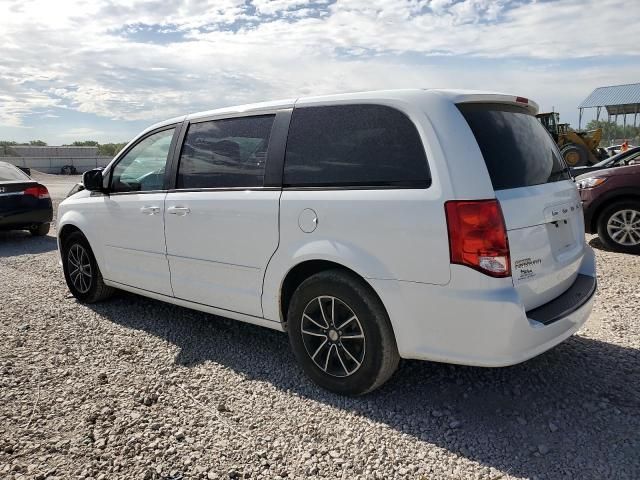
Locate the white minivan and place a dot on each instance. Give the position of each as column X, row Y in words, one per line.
column 422, row 224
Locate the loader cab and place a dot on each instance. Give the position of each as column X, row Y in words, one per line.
column 550, row 122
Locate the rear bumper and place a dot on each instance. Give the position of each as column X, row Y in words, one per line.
column 25, row 218
column 479, row 321
column 579, row 293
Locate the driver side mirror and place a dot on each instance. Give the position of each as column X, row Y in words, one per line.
column 92, row 180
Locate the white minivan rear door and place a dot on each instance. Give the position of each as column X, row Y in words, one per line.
column 539, row 200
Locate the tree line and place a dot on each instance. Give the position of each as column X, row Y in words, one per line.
column 105, row 149
column 612, row 130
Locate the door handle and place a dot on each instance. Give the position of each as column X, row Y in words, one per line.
column 150, row 210
column 181, row 211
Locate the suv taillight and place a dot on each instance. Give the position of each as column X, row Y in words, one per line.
column 39, row 191
column 478, row 236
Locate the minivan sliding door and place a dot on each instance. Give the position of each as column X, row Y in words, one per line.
column 221, row 219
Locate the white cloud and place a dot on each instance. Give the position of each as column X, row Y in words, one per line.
column 272, row 7
column 82, row 133
column 88, row 56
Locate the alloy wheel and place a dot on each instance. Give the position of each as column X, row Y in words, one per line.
column 333, row 336
column 624, row 227
column 79, row 267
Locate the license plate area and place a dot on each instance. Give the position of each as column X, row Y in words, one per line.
column 562, row 238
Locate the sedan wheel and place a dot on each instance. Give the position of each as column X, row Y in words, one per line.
column 624, row 227
column 619, row 226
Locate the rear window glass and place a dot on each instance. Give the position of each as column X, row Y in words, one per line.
column 9, row 173
column 354, row 146
column 517, row 149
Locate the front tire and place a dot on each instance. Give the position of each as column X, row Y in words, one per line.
column 81, row 270
column 340, row 333
column 619, row 226
column 575, row 155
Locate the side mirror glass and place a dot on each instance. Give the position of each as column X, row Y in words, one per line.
column 92, row 180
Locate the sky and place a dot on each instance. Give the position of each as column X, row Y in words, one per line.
column 106, row 69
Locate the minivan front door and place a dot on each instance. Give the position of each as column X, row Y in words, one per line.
column 221, row 222
column 132, row 216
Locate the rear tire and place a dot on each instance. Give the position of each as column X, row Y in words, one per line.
column 575, row 155
column 619, row 226
column 340, row 333
column 40, row 230
column 81, row 270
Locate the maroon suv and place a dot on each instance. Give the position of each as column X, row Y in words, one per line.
column 611, row 203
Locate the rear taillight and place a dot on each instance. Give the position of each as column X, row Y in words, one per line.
column 39, row 191
column 478, row 236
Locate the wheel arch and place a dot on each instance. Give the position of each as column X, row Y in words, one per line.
column 72, row 222
column 305, row 269
column 625, row 195
column 67, row 230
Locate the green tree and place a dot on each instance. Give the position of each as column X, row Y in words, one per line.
column 37, row 143
column 104, row 149
column 110, row 149
column 612, row 130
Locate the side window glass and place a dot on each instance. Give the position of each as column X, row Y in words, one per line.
column 225, row 153
column 354, row 145
column 633, row 159
column 142, row 168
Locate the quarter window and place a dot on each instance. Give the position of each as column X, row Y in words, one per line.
column 354, row 145
column 142, row 168
column 225, row 153
column 632, row 159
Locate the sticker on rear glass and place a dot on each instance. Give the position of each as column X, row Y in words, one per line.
column 526, row 268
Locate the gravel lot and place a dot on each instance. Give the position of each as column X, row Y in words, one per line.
column 137, row 389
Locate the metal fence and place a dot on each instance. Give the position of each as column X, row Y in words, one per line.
column 55, row 164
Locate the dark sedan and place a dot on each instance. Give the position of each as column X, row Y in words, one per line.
column 24, row 203
column 630, row 157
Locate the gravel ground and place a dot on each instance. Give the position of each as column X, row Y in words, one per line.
column 137, row 389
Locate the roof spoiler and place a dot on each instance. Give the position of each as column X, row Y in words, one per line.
column 497, row 98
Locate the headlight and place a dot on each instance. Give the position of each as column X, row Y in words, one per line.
column 591, row 182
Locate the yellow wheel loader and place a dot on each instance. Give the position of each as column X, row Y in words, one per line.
column 578, row 148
